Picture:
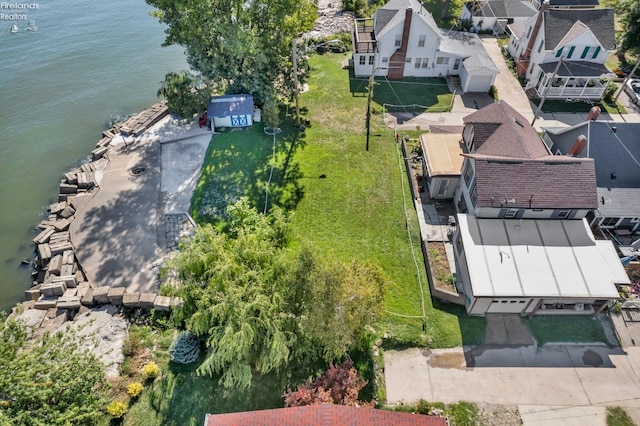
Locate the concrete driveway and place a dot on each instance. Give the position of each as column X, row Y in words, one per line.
column 556, row 384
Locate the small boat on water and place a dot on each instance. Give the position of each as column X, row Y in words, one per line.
column 14, row 29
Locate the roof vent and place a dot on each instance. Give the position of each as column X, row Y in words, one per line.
column 614, row 129
column 613, row 176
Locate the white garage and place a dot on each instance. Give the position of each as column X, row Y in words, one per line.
column 477, row 74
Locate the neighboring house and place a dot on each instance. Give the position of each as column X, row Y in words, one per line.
column 230, row 111
column 441, row 162
column 522, row 244
column 496, row 14
column 580, row 39
column 615, row 149
column 402, row 40
column 567, row 4
column 323, row 415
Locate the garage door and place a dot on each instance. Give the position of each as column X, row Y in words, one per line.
column 479, row 83
column 506, row 306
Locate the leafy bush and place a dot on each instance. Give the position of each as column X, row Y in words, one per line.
column 610, row 91
column 185, row 348
column 117, row 409
column 150, row 370
column 135, row 389
column 493, row 92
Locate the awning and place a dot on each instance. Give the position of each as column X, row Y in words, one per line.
column 570, row 69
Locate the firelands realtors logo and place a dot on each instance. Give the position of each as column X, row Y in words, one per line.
column 16, row 11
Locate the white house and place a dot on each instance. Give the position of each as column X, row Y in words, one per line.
column 496, row 14
column 581, row 39
column 402, row 40
column 230, row 111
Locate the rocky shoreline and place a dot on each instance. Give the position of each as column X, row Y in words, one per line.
column 61, row 292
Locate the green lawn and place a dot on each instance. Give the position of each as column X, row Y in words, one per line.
column 570, row 328
column 580, row 107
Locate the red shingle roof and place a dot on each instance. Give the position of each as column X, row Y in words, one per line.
column 553, row 182
column 323, row 415
column 500, row 130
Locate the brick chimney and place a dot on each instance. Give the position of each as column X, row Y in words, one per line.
column 578, row 146
column 525, row 57
column 396, row 62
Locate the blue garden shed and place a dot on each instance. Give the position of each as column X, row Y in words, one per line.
column 230, row 111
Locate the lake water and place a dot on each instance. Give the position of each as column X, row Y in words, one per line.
column 88, row 63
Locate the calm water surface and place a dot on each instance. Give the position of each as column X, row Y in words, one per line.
column 88, row 63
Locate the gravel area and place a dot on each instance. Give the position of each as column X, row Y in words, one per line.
column 498, row 415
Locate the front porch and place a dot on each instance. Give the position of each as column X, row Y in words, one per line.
column 573, row 80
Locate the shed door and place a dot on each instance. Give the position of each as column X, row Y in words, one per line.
column 478, row 83
column 507, row 306
column 239, row 121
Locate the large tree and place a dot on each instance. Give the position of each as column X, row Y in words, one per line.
column 241, row 46
column 259, row 304
column 629, row 37
column 47, row 381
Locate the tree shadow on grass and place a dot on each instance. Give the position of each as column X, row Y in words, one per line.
column 238, row 164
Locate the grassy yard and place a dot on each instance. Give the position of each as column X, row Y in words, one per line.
column 579, row 107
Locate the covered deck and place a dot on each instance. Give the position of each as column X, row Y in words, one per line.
column 573, row 80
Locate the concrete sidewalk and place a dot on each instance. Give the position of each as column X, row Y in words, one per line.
column 538, row 379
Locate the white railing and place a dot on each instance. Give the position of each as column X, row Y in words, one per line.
column 575, row 92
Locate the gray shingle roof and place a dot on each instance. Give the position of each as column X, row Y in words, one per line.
column 504, row 9
column 558, row 21
column 547, row 183
column 617, row 153
column 576, row 69
column 499, row 130
column 221, row 106
column 553, row 3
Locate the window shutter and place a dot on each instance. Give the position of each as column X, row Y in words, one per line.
column 584, row 52
column 559, row 52
column 595, row 54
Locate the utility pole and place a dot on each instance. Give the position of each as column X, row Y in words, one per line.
column 546, row 88
column 296, row 95
column 624, row 83
column 370, row 95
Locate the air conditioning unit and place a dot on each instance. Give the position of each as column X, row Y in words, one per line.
column 579, row 307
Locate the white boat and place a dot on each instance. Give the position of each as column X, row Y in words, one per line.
column 14, row 29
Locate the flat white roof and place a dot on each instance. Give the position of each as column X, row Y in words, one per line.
column 443, row 153
column 539, row 258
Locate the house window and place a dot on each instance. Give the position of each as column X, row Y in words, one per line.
column 563, row 214
column 474, row 194
column 363, row 60
column 462, row 205
column 609, row 221
column 371, row 60
column 418, row 62
column 468, row 173
column 540, row 47
column 425, row 62
column 585, row 52
column 385, row 60
column 595, row 53
column 421, row 41
column 559, row 52
column 456, row 64
column 441, row 60
column 571, row 49
column 634, row 220
column 511, row 213
column 529, row 32
column 408, row 60
column 459, row 246
column 398, row 40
